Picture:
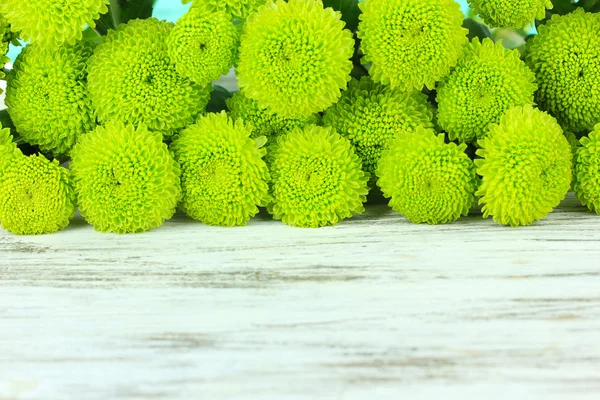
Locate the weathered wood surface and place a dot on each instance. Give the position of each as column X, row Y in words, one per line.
column 373, row 308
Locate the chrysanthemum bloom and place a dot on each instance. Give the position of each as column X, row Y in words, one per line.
column 295, row 57
column 224, row 176
column 317, row 178
column 525, row 167
column 47, row 96
column 426, row 179
column 131, row 79
column 263, row 122
column 126, row 179
column 510, row 13
column 371, row 115
column 411, row 43
column 203, row 45
column 565, row 57
column 239, row 9
column 36, row 195
column 486, row 82
column 51, row 23
column 587, row 171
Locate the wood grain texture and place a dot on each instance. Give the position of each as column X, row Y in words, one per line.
column 373, row 308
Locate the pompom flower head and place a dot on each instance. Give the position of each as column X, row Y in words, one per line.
column 51, row 23
column 295, row 57
column 526, row 167
column 239, row 9
column 565, row 57
column 263, row 122
column 203, row 45
column 486, row 82
column 131, row 79
column 224, row 176
column 427, row 180
column 317, row 178
column 411, row 43
column 36, row 195
column 126, row 179
column 510, row 13
column 587, row 171
column 47, row 96
column 371, row 115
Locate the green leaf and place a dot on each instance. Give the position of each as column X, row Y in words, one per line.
column 217, row 99
column 349, row 10
column 132, row 9
column 476, row 30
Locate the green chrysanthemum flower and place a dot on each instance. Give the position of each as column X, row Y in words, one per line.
column 263, row 122
column 239, row 9
column 317, row 178
column 132, row 80
column 411, row 43
column 427, row 179
column 203, row 45
column 565, row 56
column 47, row 96
column 51, row 23
column 371, row 115
column 7, row 145
column 525, row 166
column 486, row 82
column 224, row 176
column 126, row 179
column 510, row 13
column 587, row 171
column 36, row 195
column 295, row 57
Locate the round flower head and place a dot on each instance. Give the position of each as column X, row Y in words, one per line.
column 525, row 167
column 295, row 57
column 371, row 115
column 239, row 9
column 587, row 171
column 317, row 178
column 126, row 179
column 263, row 122
column 510, row 13
column 203, row 45
column 411, row 43
column 132, row 80
column 47, row 96
column 36, row 195
column 486, row 82
column 224, row 176
column 565, row 57
column 427, row 179
column 51, row 23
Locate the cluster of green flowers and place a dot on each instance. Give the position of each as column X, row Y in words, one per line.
column 306, row 137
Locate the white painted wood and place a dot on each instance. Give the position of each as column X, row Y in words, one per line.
column 375, row 308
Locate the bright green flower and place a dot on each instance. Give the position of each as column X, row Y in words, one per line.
column 587, row 171
column 565, row 57
column 427, row 179
column 371, row 115
column 526, row 167
column 47, row 96
column 50, row 23
column 263, row 122
column 317, row 178
column 239, row 9
column 126, row 179
column 487, row 81
column 7, row 145
column 510, row 13
column 411, row 43
column 203, row 45
column 224, row 176
column 132, row 80
column 36, row 195
column 295, row 57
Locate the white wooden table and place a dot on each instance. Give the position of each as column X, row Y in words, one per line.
column 375, row 308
